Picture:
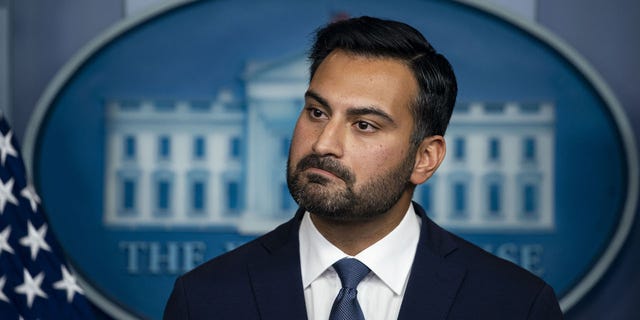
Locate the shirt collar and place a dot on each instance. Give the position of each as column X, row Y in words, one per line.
column 317, row 254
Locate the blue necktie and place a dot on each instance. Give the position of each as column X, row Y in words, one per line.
column 346, row 306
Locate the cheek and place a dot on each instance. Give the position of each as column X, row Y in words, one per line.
column 299, row 141
column 376, row 158
column 373, row 159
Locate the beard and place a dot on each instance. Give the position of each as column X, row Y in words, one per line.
column 326, row 198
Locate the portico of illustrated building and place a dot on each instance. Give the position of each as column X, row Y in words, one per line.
column 274, row 96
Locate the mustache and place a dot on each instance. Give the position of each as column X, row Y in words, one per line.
column 327, row 164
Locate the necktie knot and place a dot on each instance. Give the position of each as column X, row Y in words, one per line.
column 346, row 306
column 351, row 271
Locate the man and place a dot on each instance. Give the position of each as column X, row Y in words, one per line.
column 377, row 107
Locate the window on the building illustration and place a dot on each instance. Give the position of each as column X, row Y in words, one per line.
column 495, row 198
column 284, row 146
column 129, row 194
column 236, row 145
column 426, row 197
column 164, row 105
column 286, row 202
column 233, row 196
column 164, row 195
column 200, row 105
column 459, row 198
column 197, row 187
column 530, row 107
column 163, row 184
column 530, row 200
column 129, row 147
column 130, row 105
column 164, row 147
column 494, row 108
column 199, row 148
column 529, row 149
column 459, row 146
column 199, row 196
column 461, row 107
column 494, row 149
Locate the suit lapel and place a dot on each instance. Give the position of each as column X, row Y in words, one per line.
column 434, row 281
column 276, row 279
column 433, row 284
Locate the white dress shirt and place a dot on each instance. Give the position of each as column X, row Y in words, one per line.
column 380, row 293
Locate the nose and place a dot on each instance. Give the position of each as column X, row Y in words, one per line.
column 330, row 141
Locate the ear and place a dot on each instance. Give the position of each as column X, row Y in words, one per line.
column 429, row 155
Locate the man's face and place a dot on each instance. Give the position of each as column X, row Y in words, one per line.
column 351, row 157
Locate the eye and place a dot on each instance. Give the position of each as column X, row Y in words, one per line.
column 316, row 113
column 365, row 126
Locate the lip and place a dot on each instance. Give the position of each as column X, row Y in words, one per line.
column 322, row 172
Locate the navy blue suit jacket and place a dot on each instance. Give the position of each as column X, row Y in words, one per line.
column 450, row 279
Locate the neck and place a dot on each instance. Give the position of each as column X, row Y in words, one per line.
column 352, row 237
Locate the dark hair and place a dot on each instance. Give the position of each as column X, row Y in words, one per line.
column 375, row 37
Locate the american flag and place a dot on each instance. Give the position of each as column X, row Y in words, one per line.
column 35, row 281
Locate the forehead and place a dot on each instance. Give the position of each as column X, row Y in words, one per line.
column 350, row 79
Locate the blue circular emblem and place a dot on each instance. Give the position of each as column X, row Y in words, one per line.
column 164, row 143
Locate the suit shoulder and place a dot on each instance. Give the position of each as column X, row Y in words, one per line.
column 499, row 279
column 479, row 262
column 492, row 283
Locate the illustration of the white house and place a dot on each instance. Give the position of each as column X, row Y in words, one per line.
column 221, row 162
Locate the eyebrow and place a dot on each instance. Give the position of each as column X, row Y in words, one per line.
column 317, row 97
column 357, row 111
